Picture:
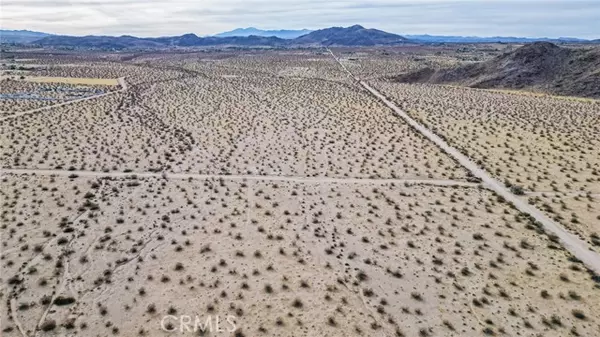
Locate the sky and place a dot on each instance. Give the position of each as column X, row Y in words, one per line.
column 145, row 18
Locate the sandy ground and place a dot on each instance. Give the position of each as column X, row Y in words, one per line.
column 298, row 179
column 270, row 189
column 263, row 126
column 540, row 143
column 359, row 260
column 575, row 245
column 71, row 80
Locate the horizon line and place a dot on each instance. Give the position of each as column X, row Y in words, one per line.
column 312, row 30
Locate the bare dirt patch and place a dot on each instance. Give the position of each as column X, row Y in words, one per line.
column 73, row 80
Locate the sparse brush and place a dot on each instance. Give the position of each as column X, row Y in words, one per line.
column 297, row 303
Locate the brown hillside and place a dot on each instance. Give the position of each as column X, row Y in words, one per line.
column 540, row 66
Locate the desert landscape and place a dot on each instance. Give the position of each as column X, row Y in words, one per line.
column 544, row 148
column 280, row 192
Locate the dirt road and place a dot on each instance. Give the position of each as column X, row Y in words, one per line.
column 572, row 243
column 298, row 179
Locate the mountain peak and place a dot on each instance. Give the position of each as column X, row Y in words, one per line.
column 536, row 50
column 542, row 44
column 355, row 35
column 356, row 27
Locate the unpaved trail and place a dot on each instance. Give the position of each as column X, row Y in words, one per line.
column 572, row 243
column 298, row 179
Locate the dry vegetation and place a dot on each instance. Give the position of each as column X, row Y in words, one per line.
column 326, row 259
column 548, row 146
column 377, row 63
column 218, row 123
column 87, row 254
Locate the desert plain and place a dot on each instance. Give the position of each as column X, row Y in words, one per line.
column 269, row 190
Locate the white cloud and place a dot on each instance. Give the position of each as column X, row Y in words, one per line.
column 158, row 17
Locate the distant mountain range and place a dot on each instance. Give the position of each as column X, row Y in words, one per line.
column 537, row 66
column 282, row 34
column 131, row 42
column 424, row 38
column 337, row 36
column 20, row 36
column 492, row 39
column 355, row 35
column 251, row 37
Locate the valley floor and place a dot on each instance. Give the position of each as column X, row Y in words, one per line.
column 270, row 191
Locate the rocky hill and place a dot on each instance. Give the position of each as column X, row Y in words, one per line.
column 351, row 36
column 540, row 66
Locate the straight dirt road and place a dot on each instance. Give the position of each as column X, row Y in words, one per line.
column 572, row 243
column 297, row 179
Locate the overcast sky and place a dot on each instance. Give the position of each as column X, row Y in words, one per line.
column 536, row 18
